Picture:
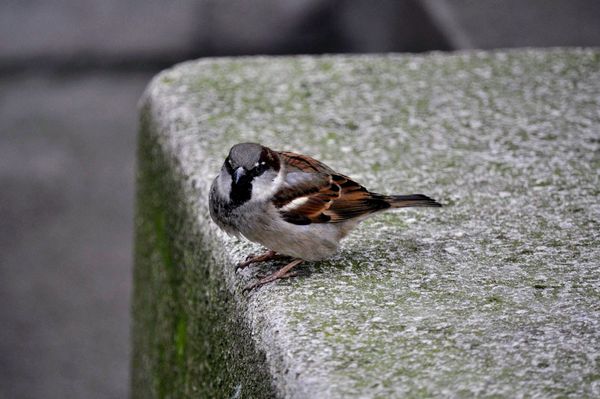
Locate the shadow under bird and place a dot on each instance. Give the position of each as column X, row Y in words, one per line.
column 292, row 204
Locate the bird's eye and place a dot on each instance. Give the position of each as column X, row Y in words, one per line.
column 260, row 167
column 229, row 164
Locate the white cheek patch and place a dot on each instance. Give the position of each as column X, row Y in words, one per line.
column 295, row 203
column 264, row 187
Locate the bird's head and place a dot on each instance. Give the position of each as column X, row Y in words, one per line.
column 252, row 169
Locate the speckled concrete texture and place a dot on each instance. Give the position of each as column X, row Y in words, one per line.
column 496, row 294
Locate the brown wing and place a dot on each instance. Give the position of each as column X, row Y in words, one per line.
column 303, row 163
column 354, row 200
column 314, row 193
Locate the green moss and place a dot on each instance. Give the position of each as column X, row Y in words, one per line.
column 184, row 346
column 167, row 80
column 180, row 341
column 467, row 300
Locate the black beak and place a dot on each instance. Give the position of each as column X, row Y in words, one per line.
column 238, row 174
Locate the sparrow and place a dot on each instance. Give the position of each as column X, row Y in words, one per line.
column 292, row 204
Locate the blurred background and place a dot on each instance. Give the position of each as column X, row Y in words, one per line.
column 71, row 73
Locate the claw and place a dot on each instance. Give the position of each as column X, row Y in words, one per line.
column 242, row 265
column 250, row 259
column 282, row 273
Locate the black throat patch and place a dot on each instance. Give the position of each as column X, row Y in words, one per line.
column 240, row 192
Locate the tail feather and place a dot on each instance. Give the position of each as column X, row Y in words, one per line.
column 405, row 201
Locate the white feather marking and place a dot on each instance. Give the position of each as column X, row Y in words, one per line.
column 295, row 203
column 264, row 187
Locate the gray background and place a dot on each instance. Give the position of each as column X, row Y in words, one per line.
column 71, row 73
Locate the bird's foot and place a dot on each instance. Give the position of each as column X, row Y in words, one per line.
column 282, row 273
column 250, row 259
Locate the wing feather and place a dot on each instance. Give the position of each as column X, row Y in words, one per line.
column 327, row 197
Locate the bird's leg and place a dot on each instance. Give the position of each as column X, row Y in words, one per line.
column 284, row 272
column 269, row 255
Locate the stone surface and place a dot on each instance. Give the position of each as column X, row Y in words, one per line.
column 496, row 294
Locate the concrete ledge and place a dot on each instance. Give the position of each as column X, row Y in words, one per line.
column 494, row 295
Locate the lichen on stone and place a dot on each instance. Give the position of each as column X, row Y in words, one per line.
column 496, row 294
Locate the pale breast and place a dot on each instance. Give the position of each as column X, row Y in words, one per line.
column 309, row 242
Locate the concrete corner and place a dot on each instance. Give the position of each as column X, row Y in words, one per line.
column 496, row 294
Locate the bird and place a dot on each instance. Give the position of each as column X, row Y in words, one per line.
column 292, row 204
